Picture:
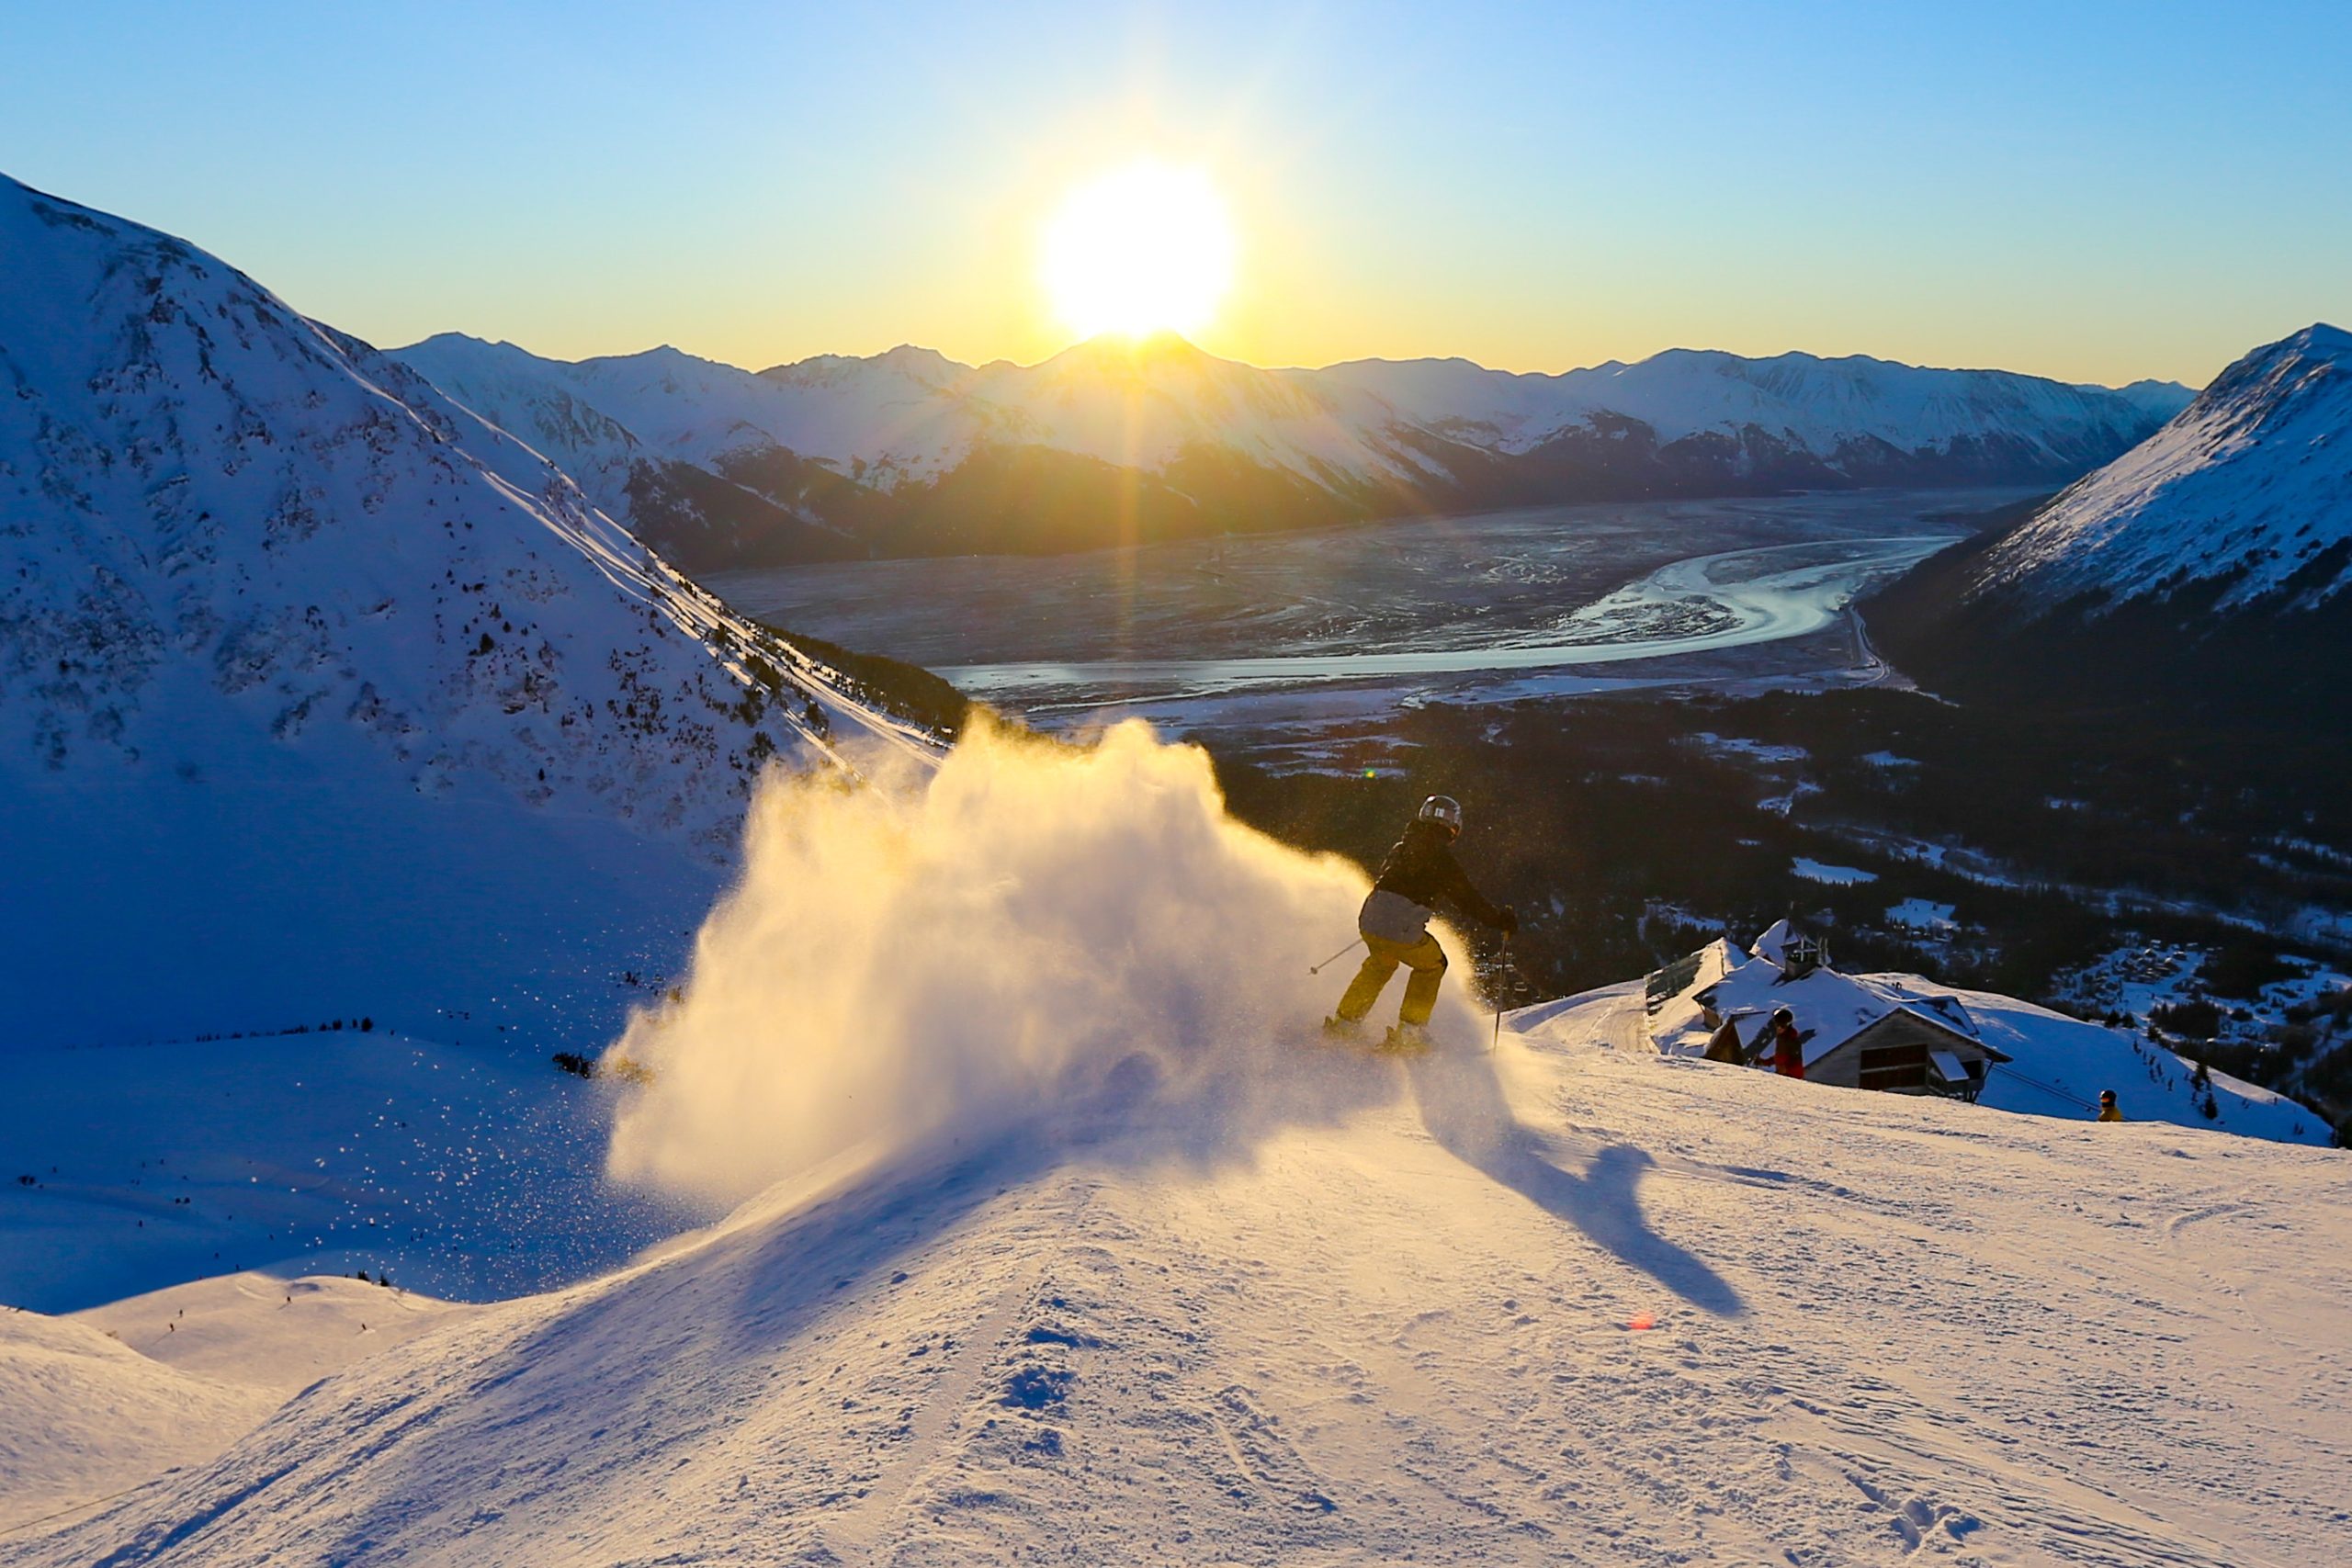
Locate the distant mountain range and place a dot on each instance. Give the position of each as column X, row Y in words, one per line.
column 2207, row 568
column 318, row 694
column 908, row 453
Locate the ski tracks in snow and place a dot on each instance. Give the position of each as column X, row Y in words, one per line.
column 1975, row 1349
column 1567, row 1304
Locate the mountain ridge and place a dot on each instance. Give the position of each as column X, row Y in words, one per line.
column 1112, row 441
column 2126, row 530
column 270, row 602
column 2204, row 572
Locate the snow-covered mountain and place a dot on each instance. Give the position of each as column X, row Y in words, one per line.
column 909, row 453
column 316, row 693
column 668, row 490
column 2206, row 565
column 1850, row 417
column 2251, row 483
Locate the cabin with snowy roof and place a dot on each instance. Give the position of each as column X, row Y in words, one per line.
column 1892, row 1033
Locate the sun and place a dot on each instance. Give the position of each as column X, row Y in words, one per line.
column 1142, row 249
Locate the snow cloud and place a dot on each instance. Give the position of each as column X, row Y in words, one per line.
column 1035, row 936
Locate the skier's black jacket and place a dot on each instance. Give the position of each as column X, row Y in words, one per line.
column 1422, row 867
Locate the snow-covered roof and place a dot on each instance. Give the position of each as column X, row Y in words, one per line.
column 1836, row 1006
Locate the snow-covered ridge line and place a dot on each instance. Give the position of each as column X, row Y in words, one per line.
column 1821, row 403
column 314, row 434
column 909, row 410
column 844, row 443
column 2251, row 484
column 276, row 616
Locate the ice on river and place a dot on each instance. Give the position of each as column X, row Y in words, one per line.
column 1704, row 604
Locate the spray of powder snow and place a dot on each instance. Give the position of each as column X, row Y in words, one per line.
column 1033, row 929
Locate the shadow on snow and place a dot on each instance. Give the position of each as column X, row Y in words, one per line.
column 1464, row 1108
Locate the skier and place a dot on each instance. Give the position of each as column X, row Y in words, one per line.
column 1787, row 1043
column 1418, row 872
column 2108, row 1110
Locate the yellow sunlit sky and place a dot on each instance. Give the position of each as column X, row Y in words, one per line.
column 2095, row 191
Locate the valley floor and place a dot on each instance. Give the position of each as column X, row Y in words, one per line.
column 1570, row 1303
column 1265, row 628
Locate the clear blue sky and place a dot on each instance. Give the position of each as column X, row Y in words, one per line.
column 2094, row 191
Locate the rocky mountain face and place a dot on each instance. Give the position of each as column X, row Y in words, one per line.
column 908, row 453
column 2205, row 569
column 267, row 599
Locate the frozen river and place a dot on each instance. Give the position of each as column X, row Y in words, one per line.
column 1734, row 599
column 1448, row 604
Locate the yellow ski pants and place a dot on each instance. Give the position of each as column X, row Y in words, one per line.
column 1424, row 958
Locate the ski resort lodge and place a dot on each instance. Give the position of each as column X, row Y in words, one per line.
column 1880, row 1031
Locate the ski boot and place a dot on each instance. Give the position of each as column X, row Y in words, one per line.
column 1343, row 1030
column 1406, row 1040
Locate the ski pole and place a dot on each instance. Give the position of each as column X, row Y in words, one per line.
column 1319, row 968
column 1496, row 1044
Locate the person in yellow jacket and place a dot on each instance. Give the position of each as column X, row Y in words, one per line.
column 2107, row 1107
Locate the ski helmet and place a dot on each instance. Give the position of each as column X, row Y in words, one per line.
column 1443, row 808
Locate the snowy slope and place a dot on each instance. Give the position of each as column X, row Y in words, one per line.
column 2252, row 484
column 1568, row 1304
column 102, row 1401
column 2161, row 399
column 299, row 658
column 86, row 1417
column 2199, row 576
column 2061, row 1063
column 504, row 384
column 466, row 1171
column 658, row 494
column 1063, row 1233
column 277, row 1336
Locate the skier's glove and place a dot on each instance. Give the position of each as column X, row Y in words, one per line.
column 1509, row 923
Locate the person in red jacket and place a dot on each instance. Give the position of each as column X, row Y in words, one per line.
column 1785, row 1041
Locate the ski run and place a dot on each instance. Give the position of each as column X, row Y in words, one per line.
column 1571, row 1302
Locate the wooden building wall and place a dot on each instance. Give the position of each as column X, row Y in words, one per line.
column 1890, row 1056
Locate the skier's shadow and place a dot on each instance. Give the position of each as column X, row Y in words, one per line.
column 1464, row 1108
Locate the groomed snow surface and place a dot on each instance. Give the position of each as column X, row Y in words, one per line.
column 1065, row 1235
column 1568, row 1305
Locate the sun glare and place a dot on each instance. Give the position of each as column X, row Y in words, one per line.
column 1142, row 249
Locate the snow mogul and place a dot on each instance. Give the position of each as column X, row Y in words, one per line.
column 1419, row 873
